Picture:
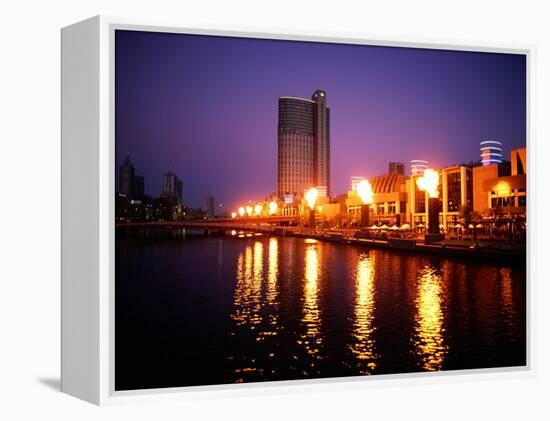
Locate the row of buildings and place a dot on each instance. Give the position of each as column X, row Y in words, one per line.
column 492, row 187
column 132, row 204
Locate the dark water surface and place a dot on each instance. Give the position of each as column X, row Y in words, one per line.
column 224, row 310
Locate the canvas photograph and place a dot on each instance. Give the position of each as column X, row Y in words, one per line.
column 291, row 210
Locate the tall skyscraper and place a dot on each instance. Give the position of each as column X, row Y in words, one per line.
column 210, row 203
column 129, row 183
column 397, row 168
column 418, row 166
column 491, row 152
column 172, row 187
column 126, row 176
column 303, row 145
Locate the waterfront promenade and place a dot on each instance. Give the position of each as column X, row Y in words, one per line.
column 385, row 239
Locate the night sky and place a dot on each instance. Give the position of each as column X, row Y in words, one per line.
column 207, row 106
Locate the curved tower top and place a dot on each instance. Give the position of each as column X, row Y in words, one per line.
column 491, row 152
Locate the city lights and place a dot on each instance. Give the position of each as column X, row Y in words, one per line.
column 364, row 191
column 429, row 182
column 241, row 212
column 249, row 210
column 258, row 209
column 272, row 208
column 311, row 197
column 233, row 215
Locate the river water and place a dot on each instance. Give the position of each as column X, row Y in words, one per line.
column 219, row 310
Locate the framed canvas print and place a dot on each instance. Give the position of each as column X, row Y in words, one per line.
column 242, row 209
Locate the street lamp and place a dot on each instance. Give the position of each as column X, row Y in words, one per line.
column 311, row 198
column 249, row 210
column 233, row 215
column 241, row 211
column 364, row 191
column 258, row 209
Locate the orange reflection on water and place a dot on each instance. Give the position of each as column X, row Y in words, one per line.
column 272, row 292
column 311, row 320
column 247, row 296
column 429, row 342
column 363, row 328
column 507, row 298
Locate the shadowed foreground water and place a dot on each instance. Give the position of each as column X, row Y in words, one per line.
column 224, row 310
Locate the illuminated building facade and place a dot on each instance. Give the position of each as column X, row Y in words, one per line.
column 418, row 166
column 389, row 200
column 303, row 153
column 491, row 152
column 455, row 191
column 502, row 188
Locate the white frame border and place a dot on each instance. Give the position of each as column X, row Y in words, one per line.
column 107, row 394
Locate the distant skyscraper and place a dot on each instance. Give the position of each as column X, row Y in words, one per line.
column 418, row 166
column 210, row 206
column 138, row 187
column 491, row 152
column 126, row 176
column 130, row 184
column 303, row 145
column 397, row 168
column 172, row 186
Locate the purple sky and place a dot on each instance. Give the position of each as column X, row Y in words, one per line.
column 208, row 106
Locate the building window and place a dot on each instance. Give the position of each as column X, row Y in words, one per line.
column 453, row 191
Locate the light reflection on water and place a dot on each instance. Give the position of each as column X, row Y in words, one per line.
column 311, row 339
column 429, row 340
column 363, row 346
column 260, row 308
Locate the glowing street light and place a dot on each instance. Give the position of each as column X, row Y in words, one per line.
column 249, row 210
column 272, row 208
column 429, row 183
column 241, row 211
column 364, row 191
column 311, row 198
column 258, row 209
column 233, row 215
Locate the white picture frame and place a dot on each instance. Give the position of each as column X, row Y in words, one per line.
column 88, row 174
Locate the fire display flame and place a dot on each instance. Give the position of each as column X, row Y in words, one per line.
column 272, row 208
column 429, row 182
column 364, row 191
column 311, row 197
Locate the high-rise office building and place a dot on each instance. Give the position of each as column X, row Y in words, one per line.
column 397, row 168
column 138, row 187
column 303, row 145
column 129, row 183
column 418, row 166
column 210, row 203
column 491, row 152
column 172, row 187
column 126, row 176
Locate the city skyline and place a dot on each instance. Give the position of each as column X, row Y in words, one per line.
column 386, row 103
